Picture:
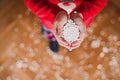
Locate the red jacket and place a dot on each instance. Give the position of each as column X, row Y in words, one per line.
column 46, row 10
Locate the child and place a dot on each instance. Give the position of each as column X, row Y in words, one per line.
column 53, row 17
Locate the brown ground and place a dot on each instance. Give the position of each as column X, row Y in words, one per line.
column 24, row 52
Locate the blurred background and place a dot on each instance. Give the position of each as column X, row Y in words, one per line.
column 25, row 55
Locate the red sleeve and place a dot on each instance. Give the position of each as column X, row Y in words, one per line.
column 90, row 8
column 45, row 10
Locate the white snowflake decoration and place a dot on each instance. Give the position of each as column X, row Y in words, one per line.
column 71, row 32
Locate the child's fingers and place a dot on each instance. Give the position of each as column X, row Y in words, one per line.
column 66, row 46
column 71, row 48
column 61, row 41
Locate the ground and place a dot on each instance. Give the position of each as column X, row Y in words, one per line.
column 25, row 55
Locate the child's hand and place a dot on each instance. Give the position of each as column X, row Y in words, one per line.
column 60, row 21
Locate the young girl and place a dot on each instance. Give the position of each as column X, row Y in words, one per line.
column 53, row 17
